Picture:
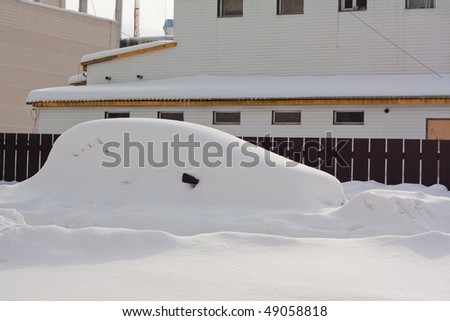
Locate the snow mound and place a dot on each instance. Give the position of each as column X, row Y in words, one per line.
column 105, row 173
column 10, row 218
column 381, row 212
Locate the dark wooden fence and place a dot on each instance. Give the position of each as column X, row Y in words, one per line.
column 389, row 161
column 22, row 155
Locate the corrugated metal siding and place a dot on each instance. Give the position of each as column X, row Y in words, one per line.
column 401, row 122
column 322, row 41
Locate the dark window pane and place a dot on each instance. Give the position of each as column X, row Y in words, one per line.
column 227, row 118
column 348, row 118
column 290, row 6
column 117, row 115
column 231, row 8
column 171, row 115
column 419, row 4
column 286, row 117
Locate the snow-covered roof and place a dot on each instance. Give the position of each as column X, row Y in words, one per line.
column 115, row 53
column 208, row 87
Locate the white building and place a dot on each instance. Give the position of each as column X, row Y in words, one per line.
column 41, row 44
column 375, row 68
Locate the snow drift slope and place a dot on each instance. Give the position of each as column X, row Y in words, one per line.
column 53, row 263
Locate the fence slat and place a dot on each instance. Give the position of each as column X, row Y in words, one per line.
column 265, row 142
column 46, row 146
column 22, row 157
column 311, row 152
column 412, row 161
column 378, row 160
column 444, row 164
column 344, row 160
column 251, row 140
column 429, row 162
column 10, row 157
column 33, row 154
column 328, row 159
column 281, row 146
column 296, row 149
column 361, row 159
column 394, row 161
column 2, row 155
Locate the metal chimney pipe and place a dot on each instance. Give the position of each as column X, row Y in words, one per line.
column 137, row 18
column 119, row 11
column 83, row 6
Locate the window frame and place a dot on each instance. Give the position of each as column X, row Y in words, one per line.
column 117, row 114
column 342, row 8
column 215, row 122
column 280, row 7
column 407, row 5
column 339, row 123
column 220, row 13
column 274, row 122
column 171, row 112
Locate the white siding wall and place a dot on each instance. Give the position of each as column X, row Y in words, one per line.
column 322, row 41
column 400, row 122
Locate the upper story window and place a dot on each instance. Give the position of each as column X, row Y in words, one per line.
column 352, row 5
column 231, row 8
column 290, row 7
column 420, row 4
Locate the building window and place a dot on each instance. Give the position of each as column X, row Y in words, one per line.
column 226, row 118
column 348, row 118
column 286, row 118
column 173, row 115
column 290, row 7
column 116, row 115
column 420, row 4
column 352, row 5
column 231, row 8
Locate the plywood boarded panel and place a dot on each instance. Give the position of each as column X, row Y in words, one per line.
column 438, row 129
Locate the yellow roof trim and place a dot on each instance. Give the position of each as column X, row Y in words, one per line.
column 85, row 64
column 256, row 102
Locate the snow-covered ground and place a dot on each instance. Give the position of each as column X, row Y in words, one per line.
column 79, row 231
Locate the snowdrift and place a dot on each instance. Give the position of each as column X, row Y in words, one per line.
column 101, row 172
